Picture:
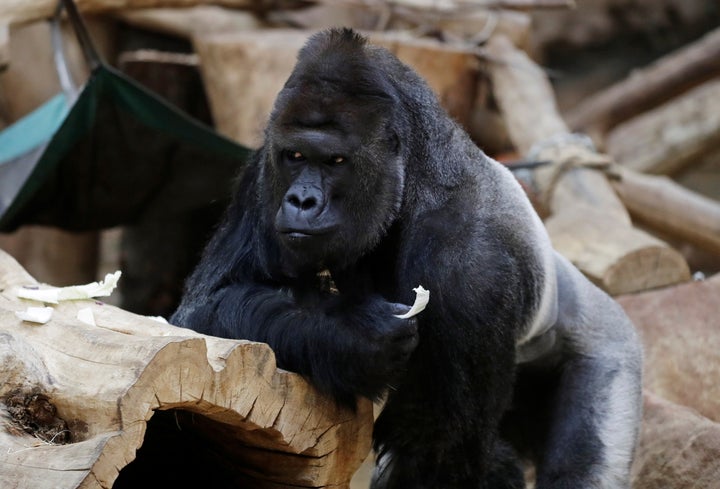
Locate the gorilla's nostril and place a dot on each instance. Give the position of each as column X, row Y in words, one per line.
column 308, row 203
column 294, row 201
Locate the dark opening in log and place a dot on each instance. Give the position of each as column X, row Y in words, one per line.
column 186, row 450
column 175, row 454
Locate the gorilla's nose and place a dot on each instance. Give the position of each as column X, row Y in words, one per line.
column 305, row 201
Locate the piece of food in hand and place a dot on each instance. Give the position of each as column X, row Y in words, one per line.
column 422, row 298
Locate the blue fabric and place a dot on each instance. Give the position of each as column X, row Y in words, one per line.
column 33, row 130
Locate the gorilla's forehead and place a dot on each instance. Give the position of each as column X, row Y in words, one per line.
column 326, row 106
column 318, row 143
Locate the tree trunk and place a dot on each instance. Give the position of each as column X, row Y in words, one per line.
column 244, row 71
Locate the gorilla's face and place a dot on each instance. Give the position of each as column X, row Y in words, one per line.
column 335, row 173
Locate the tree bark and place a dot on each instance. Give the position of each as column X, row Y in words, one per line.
column 106, row 390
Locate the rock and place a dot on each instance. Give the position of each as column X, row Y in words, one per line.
column 679, row 449
column 680, row 327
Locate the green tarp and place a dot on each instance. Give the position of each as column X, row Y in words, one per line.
column 114, row 153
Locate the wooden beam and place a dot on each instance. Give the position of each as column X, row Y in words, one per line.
column 588, row 223
column 102, row 389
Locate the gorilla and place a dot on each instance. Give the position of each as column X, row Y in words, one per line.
column 363, row 189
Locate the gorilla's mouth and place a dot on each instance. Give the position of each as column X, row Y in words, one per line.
column 301, row 237
column 297, row 237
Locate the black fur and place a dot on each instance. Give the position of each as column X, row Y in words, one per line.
column 414, row 202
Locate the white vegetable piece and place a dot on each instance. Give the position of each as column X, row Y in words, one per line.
column 85, row 315
column 40, row 315
column 54, row 295
column 422, row 298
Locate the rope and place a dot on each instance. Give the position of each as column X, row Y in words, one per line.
column 567, row 152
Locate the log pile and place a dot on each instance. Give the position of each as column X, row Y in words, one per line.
column 587, row 223
column 121, row 402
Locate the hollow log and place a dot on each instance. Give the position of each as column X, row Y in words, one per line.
column 671, row 137
column 644, row 89
column 133, row 403
column 588, row 223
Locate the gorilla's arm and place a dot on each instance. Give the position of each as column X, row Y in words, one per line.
column 345, row 349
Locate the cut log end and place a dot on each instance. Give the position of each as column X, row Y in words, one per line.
column 618, row 259
column 647, row 268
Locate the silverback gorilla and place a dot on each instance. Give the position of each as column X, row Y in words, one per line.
column 363, row 175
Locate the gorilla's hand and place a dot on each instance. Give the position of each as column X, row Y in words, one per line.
column 378, row 344
column 398, row 337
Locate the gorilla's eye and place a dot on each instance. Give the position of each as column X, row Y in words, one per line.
column 294, row 155
column 338, row 160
